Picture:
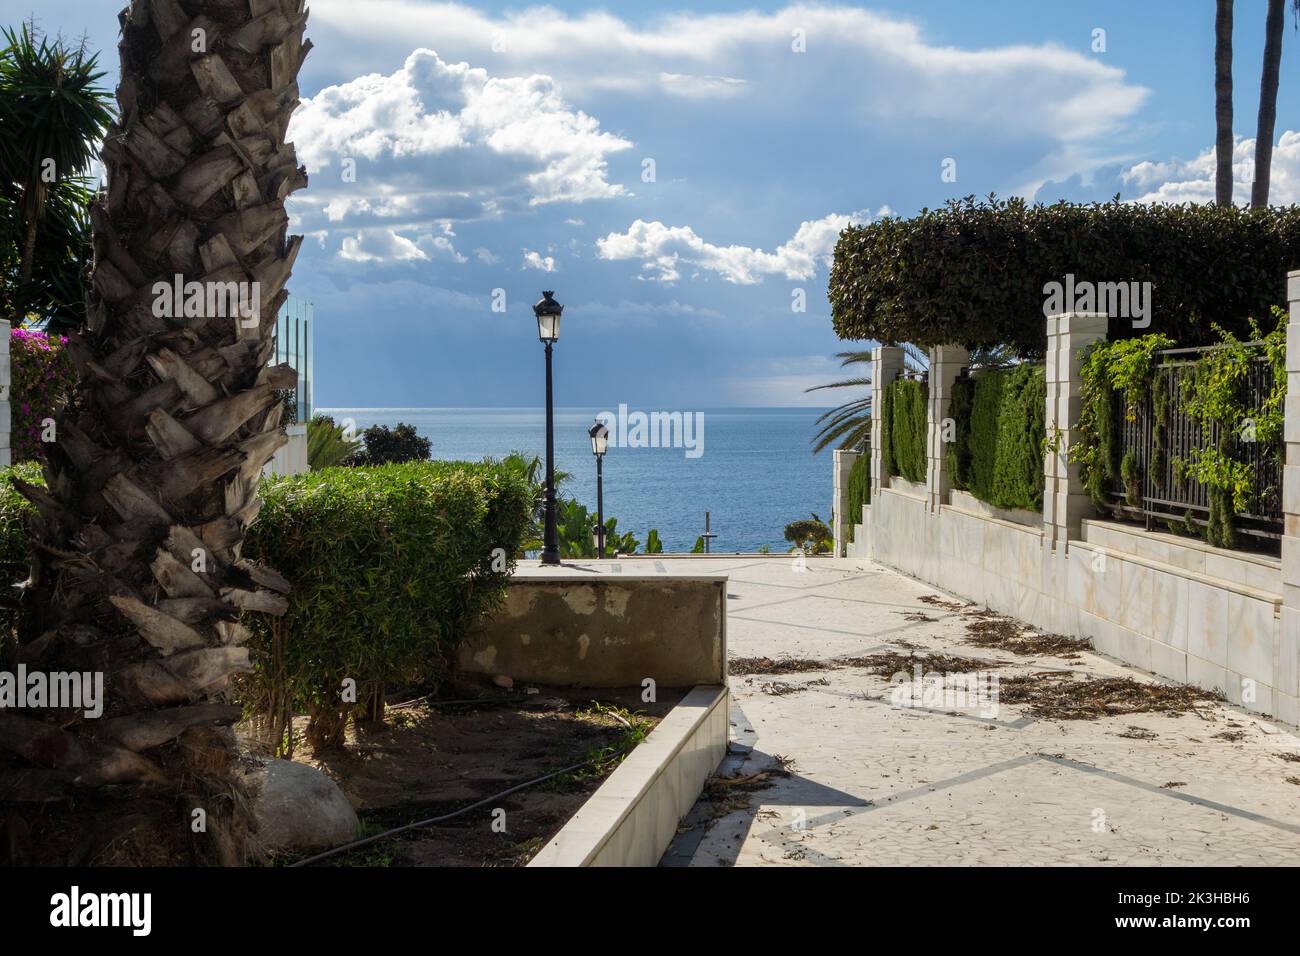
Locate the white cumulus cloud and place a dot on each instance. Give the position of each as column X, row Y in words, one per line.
column 664, row 249
column 440, row 140
column 535, row 260
column 1192, row 180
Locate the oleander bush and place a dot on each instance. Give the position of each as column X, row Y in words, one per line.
column 973, row 272
column 389, row 565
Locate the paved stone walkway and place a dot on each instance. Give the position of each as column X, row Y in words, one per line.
column 872, row 783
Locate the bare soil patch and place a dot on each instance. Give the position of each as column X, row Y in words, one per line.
column 435, row 756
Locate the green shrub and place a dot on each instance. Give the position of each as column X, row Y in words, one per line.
column 905, row 401
column 810, row 535
column 982, row 436
column 1001, row 427
column 15, row 555
column 1018, row 464
column 390, row 565
column 857, row 490
column 393, row 446
column 973, row 273
column 958, row 451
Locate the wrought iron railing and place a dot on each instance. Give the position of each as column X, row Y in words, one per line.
column 1164, row 497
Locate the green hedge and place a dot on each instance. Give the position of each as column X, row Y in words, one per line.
column 973, row 273
column 857, row 490
column 389, row 566
column 905, row 400
column 1000, row 419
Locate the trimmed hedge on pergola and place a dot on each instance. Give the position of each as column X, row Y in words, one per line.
column 973, row 273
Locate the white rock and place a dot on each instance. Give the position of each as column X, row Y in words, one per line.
column 297, row 807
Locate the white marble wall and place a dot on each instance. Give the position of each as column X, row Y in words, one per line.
column 844, row 462
column 1177, row 607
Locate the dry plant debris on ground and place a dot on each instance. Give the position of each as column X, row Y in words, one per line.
column 726, row 794
column 946, row 604
column 1060, row 696
column 890, row 663
column 1007, row 634
column 741, row 666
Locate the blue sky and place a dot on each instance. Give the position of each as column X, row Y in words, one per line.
column 500, row 146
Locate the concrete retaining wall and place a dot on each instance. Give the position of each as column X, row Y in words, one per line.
column 567, row 628
column 633, row 816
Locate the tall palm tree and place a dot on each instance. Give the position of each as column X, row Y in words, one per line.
column 1273, row 26
column 1223, row 102
column 152, row 483
column 52, row 116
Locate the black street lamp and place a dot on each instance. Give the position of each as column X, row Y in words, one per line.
column 599, row 434
column 548, row 330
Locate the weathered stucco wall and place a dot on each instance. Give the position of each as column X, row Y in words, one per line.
column 605, row 631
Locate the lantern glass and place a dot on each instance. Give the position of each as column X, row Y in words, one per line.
column 548, row 328
column 599, row 439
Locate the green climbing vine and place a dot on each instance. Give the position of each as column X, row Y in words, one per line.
column 1212, row 391
column 1215, row 395
column 1112, row 372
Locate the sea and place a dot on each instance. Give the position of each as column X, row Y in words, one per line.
column 751, row 470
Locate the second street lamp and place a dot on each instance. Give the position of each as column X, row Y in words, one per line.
column 599, row 434
column 548, row 313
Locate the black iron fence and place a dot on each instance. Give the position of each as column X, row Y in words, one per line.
column 1165, row 492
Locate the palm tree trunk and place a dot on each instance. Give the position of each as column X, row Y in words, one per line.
column 1267, row 102
column 1223, row 103
column 152, row 483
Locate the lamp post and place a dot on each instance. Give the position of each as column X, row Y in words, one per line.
column 599, row 435
column 548, row 313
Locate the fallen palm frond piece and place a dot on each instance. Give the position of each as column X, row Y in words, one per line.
column 1006, row 634
column 780, row 689
column 766, row 665
column 946, row 604
column 889, row 663
column 725, row 794
column 1139, row 733
column 917, row 617
column 1056, row 695
column 1293, row 758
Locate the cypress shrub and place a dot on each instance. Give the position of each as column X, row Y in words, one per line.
column 858, row 490
column 1018, row 461
column 982, row 438
column 908, row 428
column 958, row 450
column 1002, row 441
